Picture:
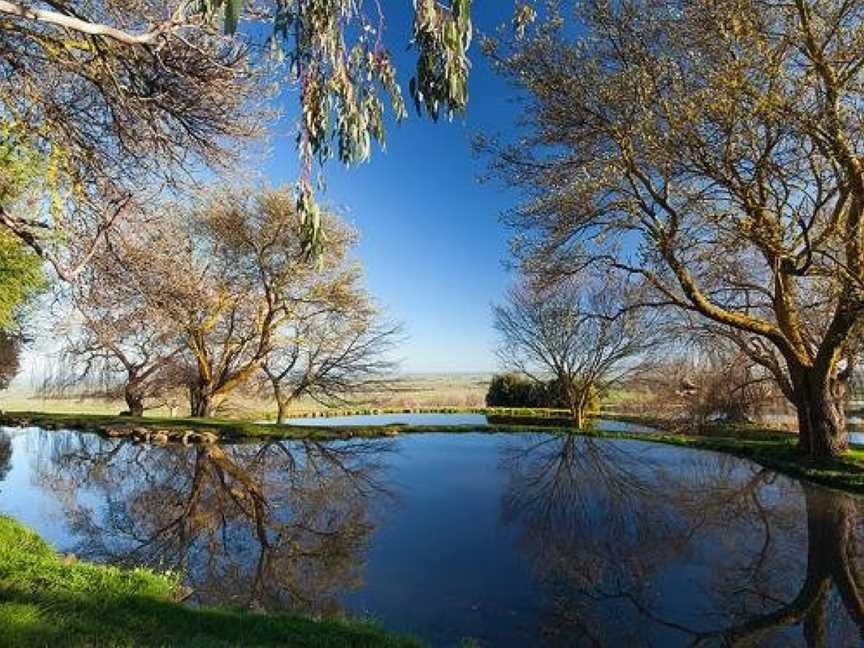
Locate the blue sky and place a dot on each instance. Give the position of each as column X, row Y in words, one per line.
column 432, row 245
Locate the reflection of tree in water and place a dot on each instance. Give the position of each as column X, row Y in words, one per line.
column 278, row 526
column 713, row 552
column 5, row 454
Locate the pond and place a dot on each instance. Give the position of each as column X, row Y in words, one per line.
column 390, row 419
column 511, row 539
column 603, row 425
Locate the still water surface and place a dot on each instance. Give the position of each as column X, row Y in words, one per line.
column 515, row 540
column 603, row 425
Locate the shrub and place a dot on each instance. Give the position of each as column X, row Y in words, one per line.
column 517, row 390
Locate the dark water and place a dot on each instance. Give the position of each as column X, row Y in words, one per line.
column 515, row 540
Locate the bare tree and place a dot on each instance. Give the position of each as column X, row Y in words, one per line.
column 203, row 294
column 340, row 350
column 115, row 340
column 227, row 275
column 582, row 334
column 716, row 152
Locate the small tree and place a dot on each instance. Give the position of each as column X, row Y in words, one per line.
column 583, row 335
column 335, row 352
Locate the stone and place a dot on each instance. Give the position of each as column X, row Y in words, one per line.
column 115, row 432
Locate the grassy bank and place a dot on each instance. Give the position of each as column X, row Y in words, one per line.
column 769, row 447
column 47, row 600
column 232, row 430
column 775, row 449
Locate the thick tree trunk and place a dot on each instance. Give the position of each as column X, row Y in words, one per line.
column 820, row 403
column 281, row 411
column 134, row 402
column 200, row 401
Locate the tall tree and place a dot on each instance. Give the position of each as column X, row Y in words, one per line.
column 713, row 149
column 586, row 337
column 115, row 339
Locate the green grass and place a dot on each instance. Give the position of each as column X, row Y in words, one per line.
column 47, row 600
column 769, row 447
column 233, row 430
column 775, row 449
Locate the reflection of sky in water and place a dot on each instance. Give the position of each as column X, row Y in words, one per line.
column 515, row 539
column 390, row 419
column 442, row 419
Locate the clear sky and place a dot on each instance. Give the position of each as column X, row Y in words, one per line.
column 432, row 245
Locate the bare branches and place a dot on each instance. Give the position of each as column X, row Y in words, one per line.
column 712, row 151
column 585, row 335
column 208, row 295
column 105, row 114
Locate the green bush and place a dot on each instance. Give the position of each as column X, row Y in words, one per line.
column 515, row 390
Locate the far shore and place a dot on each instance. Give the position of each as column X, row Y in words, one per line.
column 772, row 448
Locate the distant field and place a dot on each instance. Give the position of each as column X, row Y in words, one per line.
column 413, row 391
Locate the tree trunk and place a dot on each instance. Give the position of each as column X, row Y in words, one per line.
column 200, row 401
column 820, row 403
column 134, row 399
column 281, row 401
column 578, row 402
column 578, row 417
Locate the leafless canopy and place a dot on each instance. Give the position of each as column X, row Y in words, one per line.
column 208, row 294
column 585, row 334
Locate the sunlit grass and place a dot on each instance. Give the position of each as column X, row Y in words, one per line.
column 48, row 600
column 411, row 392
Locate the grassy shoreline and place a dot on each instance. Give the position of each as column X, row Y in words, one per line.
column 234, row 430
column 768, row 447
column 46, row 599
